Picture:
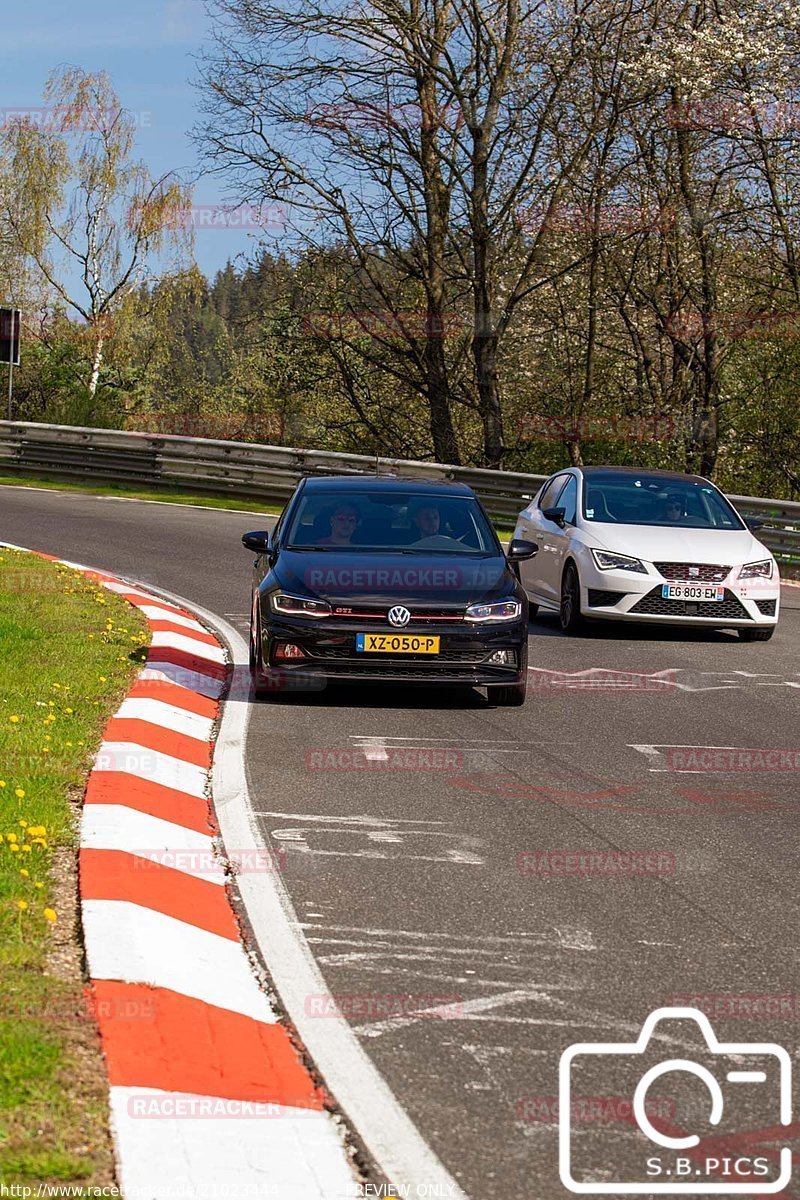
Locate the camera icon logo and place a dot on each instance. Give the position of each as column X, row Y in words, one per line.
column 673, row 1159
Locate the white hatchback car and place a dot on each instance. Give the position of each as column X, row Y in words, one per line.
column 629, row 545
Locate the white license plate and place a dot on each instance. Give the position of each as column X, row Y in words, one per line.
column 691, row 591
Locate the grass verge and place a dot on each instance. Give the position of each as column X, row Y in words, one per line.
column 70, row 652
column 122, row 491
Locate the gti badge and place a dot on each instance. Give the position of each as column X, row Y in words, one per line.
column 399, row 616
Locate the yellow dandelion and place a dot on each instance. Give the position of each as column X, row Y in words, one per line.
column 22, row 904
column 25, row 849
column 103, row 679
column 14, row 720
column 13, row 846
column 49, row 914
column 24, row 872
column 24, row 824
column 12, row 837
column 2, row 783
column 68, row 710
column 38, row 885
column 36, row 842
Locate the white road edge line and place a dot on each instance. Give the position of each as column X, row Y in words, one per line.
column 377, row 1117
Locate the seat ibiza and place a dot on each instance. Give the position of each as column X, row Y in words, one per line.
column 383, row 580
column 616, row 543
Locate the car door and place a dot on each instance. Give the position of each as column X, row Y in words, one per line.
column 560, row 537
column 536, row 574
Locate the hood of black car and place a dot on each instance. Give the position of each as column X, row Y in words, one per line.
column 426, row 580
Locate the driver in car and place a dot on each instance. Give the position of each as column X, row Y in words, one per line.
column 427, row 521
column 673, row 508
column 343, row 520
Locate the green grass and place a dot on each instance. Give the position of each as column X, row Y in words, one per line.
column 69, row 652
column 132, row 493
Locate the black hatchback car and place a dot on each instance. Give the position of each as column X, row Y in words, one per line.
column 386, row 580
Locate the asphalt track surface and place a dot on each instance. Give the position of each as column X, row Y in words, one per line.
column 410, row 882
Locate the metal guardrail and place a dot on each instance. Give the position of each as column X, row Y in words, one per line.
column 269, row 473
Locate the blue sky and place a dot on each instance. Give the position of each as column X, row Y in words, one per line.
column 147, row 48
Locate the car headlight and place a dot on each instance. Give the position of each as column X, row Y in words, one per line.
column 502, row 610
column 757, row 570
column 608, row 561
column 299, row 606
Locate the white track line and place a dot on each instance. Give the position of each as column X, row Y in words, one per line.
column 166, row 716
column 179, row 641
column 150, row 839
column 157, row 671
column 401, row 1153
column 294, row 1154
column 143, row 763
column 138, row 945
column 155, row 612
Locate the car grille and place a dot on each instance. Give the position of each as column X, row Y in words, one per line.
column 655, row 605
column 416, row 670
column 349, row 654
column 419, row 616
column 701, row 572
column 767, row 607
column 599, row 598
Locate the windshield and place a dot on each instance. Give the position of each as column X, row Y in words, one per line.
column 656, row 500
column 391, row 522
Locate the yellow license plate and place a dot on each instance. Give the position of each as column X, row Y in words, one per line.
column 397, row 643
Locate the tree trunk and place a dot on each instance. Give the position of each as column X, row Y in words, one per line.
column 484, row 341
column 97, row 362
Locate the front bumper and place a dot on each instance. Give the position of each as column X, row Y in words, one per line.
column 463, row 658
column 629, row 596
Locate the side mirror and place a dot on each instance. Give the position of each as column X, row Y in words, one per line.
column 519, row 549
column 555, row 514
column 754, row 524
column 259, row 542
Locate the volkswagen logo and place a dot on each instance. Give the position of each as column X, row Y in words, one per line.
column 399, row 616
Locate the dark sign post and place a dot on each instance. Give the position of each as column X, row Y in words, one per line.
column 10, row 330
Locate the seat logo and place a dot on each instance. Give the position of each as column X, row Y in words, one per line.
column 399, row 616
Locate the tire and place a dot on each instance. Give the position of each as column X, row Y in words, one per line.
column 756, row 635
column 510, row 695
column 260, row 677
column 569, row 612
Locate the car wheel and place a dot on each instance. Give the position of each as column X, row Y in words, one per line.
column 510, row 695
column 570, row 615
column 756, row 635
column 260, row 676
